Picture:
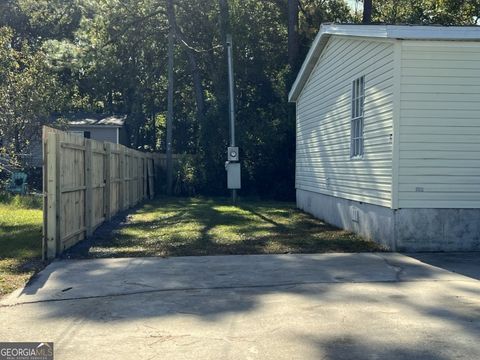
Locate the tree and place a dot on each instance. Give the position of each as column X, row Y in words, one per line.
column 29, row 93
column 447, row 12
column 367, row 11
column 293, row 38
column 112, row 56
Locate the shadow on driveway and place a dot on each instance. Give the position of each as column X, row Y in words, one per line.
column 467, row 264
column 330, row 306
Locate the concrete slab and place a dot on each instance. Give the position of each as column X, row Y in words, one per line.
column 465, row 263
column 329, row 306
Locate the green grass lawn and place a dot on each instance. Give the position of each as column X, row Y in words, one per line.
column 20, row 241
column 198, row 226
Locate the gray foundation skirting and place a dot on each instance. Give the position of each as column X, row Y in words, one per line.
column 399, row 230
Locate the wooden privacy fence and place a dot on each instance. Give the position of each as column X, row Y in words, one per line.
column 87, row 182
column 161, row 159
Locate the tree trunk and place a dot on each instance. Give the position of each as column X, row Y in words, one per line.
column 197, row 84
column 171, row 34
column 293, row 38
column 367, row 11
column 196, row 78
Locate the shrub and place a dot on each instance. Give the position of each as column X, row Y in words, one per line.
column 22, row 201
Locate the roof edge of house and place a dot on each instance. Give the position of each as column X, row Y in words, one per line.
column 403, row 32
column 101, row 126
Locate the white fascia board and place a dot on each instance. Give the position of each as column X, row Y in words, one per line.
column 416, row 32
column 402, row 32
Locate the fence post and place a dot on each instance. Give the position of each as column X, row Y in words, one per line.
column 144, row 188
column 140, row 178
column 144, row 165
column 53, row 192
column 108, row 181
column 121, row 187
column 88, row 185
column 145, row 176
column 44, row 192
column 137, row 170
column 126, row 179
column 151, row 176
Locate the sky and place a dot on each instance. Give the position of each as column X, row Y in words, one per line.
column 352, row 3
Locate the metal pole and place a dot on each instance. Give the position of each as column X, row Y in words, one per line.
column 231, row 100
column 231, row 90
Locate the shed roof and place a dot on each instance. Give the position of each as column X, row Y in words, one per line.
column 403, row 32
column 109, row 121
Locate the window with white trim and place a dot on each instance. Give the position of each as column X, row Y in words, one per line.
column 358, row 101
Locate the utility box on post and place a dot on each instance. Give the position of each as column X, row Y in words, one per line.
column 233, row 175
column 233, row 153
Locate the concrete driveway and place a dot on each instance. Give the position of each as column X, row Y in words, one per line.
column 323, row 306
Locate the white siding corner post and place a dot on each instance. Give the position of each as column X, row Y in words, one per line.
column 397, row 74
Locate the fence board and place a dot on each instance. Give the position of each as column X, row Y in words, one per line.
column 87, row 182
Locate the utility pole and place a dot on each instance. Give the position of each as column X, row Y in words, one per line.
column 171, row 23
column 231, row 96
column 233, row 166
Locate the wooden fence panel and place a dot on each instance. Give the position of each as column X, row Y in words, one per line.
column 72, row 189
column 150, row 177
column 87, row 182
column 116, row 178
column 99, row 181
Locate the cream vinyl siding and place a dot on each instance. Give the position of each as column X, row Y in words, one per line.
column 439, row 160
column 323, row 162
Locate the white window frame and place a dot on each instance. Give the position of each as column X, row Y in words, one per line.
column 357, row 118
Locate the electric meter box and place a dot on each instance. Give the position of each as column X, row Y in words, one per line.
column 233, row 176
column 233, row 153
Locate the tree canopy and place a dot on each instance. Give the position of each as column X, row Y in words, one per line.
column 110, row 56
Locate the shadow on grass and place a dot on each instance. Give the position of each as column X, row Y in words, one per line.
column 182, row 227
column 20, row 241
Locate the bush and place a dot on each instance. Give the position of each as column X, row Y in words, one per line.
column 22, row 201
column 188, row 177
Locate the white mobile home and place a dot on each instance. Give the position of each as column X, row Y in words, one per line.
column 388, row 134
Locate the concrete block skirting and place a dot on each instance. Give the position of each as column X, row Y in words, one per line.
column 399, row 230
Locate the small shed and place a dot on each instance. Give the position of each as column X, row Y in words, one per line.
column 388, row 134
column 101, row 128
